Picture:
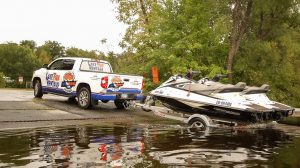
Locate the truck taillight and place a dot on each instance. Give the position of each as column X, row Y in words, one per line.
column 143, row 84
column 104, row 82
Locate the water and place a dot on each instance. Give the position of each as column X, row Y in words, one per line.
column 147, row 146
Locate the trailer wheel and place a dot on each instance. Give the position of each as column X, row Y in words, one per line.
column 198, row 123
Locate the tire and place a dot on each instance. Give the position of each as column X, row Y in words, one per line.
column 120, row 104
column 94, row 102
column 38, row 92
column 198, row 123
column 143, row 99
column 84, row 98
column 72, row 100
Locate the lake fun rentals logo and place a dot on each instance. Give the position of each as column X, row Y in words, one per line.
column 68, row 82
column 116, row 82
column 53, row 80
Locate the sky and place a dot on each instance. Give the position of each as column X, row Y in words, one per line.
column 73, row 23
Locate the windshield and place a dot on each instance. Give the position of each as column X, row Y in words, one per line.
column 95, row 66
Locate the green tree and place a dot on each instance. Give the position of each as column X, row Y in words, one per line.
column 256, row 40
column 175, row 34
column 53, row 48
column 16, row 60
column 43, row 56
column 76, row 52
column 2, row 81
column 270, row 53
column 29, row 43
column 241, row 11
column 112, row 59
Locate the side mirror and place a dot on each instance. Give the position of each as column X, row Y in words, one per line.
column 45, row 66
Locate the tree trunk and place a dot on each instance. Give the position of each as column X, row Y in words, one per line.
column 241, row 17
column 145, row 15
column 260, row 28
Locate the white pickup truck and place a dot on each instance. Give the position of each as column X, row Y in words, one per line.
column 87, row 79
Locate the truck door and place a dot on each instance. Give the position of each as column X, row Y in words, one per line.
column 59, row 77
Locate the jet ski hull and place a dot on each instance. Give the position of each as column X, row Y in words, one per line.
column 220, row 112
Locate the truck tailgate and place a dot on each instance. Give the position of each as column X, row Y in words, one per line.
column 125, row 83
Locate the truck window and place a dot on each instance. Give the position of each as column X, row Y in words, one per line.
column 95, row 66
column 56, row 65
column 62, row 64
column 67, row 64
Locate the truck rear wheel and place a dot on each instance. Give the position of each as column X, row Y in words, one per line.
column 120, row 104
column 72, row 100
column 84, row 98
column 38, row 92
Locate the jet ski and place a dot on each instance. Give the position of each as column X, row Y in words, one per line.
column 212, row 98
column 256, row 95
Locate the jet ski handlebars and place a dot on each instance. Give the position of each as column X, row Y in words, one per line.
column 218, row 77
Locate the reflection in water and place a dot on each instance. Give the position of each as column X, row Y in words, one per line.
column 147, row 146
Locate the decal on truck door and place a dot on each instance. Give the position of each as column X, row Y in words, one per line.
column 53, row 80
column 68, row 82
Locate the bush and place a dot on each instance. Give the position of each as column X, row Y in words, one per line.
column 15, row 85
column 149, row 85
column 2, row 81
column 291, row 121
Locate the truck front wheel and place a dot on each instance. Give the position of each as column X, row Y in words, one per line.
column 38, row 92
column 84, row 98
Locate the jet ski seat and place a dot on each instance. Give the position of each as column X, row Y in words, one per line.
column 241, row 84
column 253, row 90
column 213, row 87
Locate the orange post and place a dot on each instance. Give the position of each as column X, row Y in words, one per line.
column 155, row 75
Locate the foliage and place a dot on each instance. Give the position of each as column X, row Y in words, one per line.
column 16, row 60
column 170, row 38
column 2, row 81
column 291, row 121
column 271, row 52
column 176, row 34
column 29, row 43
column 49, row 51
column 76, row 52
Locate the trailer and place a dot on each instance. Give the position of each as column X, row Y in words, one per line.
column 201, row 122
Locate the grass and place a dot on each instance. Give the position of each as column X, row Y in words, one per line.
column 291, row 121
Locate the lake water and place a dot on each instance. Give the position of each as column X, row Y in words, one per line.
column 147, row 146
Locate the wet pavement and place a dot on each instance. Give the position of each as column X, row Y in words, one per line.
column 52, row 132
column 18, row 109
